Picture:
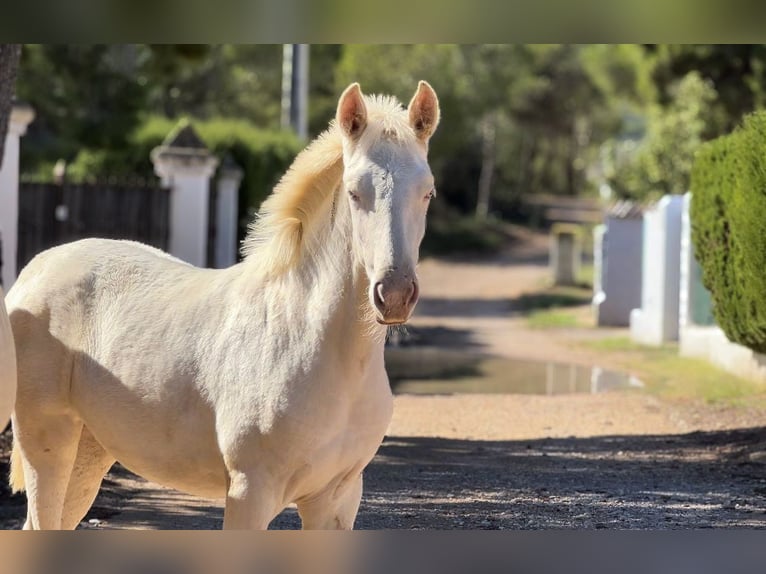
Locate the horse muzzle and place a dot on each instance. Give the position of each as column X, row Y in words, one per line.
column 394, row 298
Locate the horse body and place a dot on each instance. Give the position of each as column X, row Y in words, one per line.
column 263, row 383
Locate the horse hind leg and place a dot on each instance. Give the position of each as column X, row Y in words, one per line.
column 90, row 466
column 48, row 448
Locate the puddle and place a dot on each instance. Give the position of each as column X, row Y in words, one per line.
column 424, row 370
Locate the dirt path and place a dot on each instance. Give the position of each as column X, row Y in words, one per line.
column 611, row 460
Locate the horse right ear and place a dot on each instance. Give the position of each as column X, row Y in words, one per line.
column 352, row 113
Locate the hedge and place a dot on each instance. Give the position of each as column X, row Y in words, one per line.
column 728, row 215
column 263, row 155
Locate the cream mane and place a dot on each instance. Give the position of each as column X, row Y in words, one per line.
column 290, row 215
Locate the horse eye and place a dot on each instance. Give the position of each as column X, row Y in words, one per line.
column 354, row 196
column 431, row 194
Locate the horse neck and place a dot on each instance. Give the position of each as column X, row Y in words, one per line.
column 332, row 275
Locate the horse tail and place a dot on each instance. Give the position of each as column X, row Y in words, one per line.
column 16, row 479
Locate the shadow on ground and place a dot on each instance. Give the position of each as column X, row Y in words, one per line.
column 525, row 303
column 697, row 480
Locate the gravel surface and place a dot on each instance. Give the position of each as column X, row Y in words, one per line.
column 614, row 460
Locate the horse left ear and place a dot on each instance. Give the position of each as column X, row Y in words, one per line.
column 424, row 111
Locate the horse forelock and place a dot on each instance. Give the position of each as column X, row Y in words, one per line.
column 279, row 232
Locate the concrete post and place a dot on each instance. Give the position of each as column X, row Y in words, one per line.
column 657, row 319
column 185, row 165
column 21, row 117
column 565, row 254
column 617, row 265
column 229, row 178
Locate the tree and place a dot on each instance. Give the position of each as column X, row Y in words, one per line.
column 737, row 73
column 661, row 162
column 9, row 63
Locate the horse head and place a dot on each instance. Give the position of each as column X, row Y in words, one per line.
column 388, row 184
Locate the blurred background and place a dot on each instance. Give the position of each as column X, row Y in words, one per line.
column 521, row 123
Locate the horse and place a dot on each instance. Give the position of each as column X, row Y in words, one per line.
column 7, row 366
column 263, row 383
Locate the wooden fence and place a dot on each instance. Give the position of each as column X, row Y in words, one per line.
column 51, row 214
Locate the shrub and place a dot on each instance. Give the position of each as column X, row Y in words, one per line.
column 728, row 214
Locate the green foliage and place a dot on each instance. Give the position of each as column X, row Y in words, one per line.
column 729, row 229
column 661, row 163
column 736, row 72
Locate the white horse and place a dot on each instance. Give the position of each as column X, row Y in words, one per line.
column 264, row 382
column 7, row 366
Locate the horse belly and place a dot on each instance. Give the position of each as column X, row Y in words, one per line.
column 171, row 445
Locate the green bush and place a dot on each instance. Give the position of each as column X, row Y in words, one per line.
column 728, row 214
column 263, row 155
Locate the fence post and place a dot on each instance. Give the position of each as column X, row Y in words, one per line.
column 227, row 209
column 21, row 117
column 185, row 165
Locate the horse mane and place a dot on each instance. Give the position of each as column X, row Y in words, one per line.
column 278, row 235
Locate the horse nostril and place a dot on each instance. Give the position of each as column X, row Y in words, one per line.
column 378, row 295
column 415, row 293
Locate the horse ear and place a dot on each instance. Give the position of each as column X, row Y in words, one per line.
column 352, row 113
column 424, row 111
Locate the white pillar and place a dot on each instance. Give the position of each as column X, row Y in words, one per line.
column 227, row 209
column 21, row 117
column 656, row 321
column 185, row 165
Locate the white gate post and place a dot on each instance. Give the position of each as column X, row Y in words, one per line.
column 21, row 117
column 185, row 165
column 227, row 209
column 656, row 321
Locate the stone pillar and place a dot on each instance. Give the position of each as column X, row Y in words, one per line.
column 657, row 319
column 227, row 209
column 565, row 254
column 21, row 117
column 617, row 266
column 185, row 165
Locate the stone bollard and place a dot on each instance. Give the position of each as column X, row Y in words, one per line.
column 565, row 253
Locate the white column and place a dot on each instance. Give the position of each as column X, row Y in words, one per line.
column 227, row 208
column 21, row 117
column 187, row 170
column 656, row 321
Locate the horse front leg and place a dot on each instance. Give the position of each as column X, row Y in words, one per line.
column 250, row 503
column 335, row 508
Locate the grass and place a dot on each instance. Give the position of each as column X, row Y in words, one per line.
column 550, row 307
column 552, row 319
column 669, row 375
column 552, row 298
